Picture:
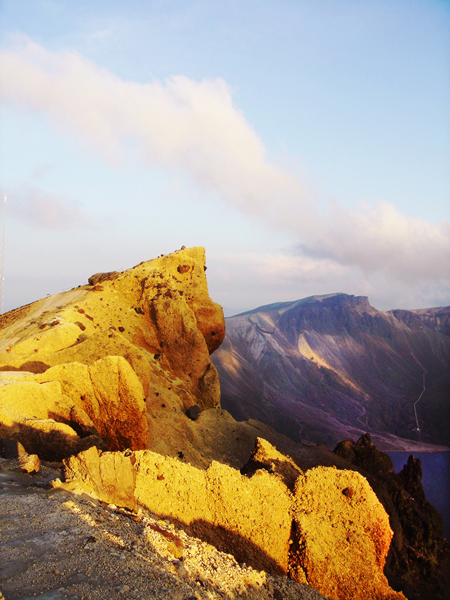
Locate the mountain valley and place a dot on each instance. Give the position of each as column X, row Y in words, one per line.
column 328, row 368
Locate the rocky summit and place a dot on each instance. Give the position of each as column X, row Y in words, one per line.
column 327, row 368
column 112, row 430
column 110, row 359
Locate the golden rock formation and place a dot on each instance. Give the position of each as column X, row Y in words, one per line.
column 103, row 359
column 330, row 531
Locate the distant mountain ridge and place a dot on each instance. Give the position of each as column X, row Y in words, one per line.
column 325, row 368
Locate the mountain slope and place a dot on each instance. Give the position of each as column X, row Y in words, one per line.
column 326, row 368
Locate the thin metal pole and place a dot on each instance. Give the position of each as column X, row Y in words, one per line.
column 2, row 268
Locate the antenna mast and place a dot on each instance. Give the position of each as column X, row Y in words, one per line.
column 2, row 267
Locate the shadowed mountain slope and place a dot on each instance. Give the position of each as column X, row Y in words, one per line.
column 326, row 368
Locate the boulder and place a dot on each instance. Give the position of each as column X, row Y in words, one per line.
column 30, row 463
column 99, row 277
column 108, row 476
column 39, row 416
column 193, row 412
column 418, row 562
column 65, row 409
column 341, row 536
column 265, row 456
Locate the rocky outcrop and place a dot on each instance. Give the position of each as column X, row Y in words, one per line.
column 95, row 365
column 324, row 527
column 327, row 368
column 265, row 456
column 109, row 476
column 71, row 405
column 437, row 319
column 27, row 414
column 419, row 558
column 342, row 536
column 115, row 378
column 248, row 517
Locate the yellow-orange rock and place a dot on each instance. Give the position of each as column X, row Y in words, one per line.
column 108, row 476
column 249, row 517
column 106, row 399
column 120, row 399
column 342, row 536
column 27, row 415
column 331, row 532
column 29, row 463
column 157, row 317
column 265, row 456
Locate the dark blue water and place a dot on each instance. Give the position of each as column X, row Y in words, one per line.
column 435, row 479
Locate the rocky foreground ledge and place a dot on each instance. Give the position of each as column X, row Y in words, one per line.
column 115, row 380
column 59, row 545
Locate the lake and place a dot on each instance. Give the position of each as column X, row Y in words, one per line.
column 435, row 479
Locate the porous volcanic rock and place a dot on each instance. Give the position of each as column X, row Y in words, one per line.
column 30, row 463
column 248, row 517
column 341, row 536
column 265, row 456
column 418, row 562
column 109, row 476
column 27, row 415
column 330, row 531
column 102, row 360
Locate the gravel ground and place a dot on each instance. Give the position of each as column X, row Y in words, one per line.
column 55, row 545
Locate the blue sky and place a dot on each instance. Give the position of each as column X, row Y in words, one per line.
column 304, row 144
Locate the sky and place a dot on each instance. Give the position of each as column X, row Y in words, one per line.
column 304, row 144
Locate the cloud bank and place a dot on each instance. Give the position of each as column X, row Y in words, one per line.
column 194, row 127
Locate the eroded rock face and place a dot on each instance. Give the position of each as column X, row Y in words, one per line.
column 418, row 562
column 109, row 476
column 342, row 536
column 330, row 531
column 27, row 415
column 102, row 360
column 248, row 517
column 265, row 456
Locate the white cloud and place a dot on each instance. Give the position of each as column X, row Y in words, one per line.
column 194, row 127
column 254, row 279
column 47, row 211
column 383, row 239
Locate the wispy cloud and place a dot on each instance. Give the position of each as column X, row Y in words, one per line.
column 383, row 239
column 254, row 279
column 46, row 211
column 194, row 127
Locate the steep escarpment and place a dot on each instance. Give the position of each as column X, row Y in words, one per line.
column 437, row 319
column 327, row 368
column 103, row 363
